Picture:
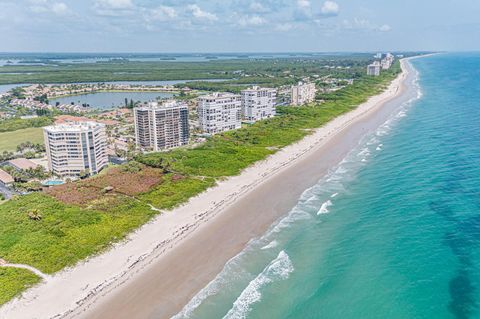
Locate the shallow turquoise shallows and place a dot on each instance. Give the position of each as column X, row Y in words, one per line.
column 394, row 232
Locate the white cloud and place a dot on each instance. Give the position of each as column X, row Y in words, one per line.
column 258, row 7
column 330, row 8
column 364, row 25
column 59, row 8
column 198, row 13
column 284, row 27
column 385, row 28
column 45, row 6
column 251, row 21
column 163, row 13
column 114, row 4
column 303, row 4
column 114, row 8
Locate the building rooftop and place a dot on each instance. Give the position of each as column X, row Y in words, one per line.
column 22, row 163
column 170, row 104
column 5, row 178
column 256, row 88
column 301, row 83
column 61, row 119
column 218, row 95
column 73, row 127
column 109, row 122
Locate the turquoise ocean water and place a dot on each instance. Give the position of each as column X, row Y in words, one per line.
column 392, row 232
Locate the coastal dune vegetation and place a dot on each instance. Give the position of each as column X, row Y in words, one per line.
column 79, row 219
column 13, row 280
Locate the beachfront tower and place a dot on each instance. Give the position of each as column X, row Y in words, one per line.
column 161, row 126
column 258, row 103
column 374, row 69
column 303, row 93
column 219, row 112
column 76, row 147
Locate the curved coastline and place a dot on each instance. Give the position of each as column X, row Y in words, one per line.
column 146, row 277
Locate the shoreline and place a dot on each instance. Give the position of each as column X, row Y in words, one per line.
column 218, row 222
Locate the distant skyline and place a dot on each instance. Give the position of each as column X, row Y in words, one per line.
column 174, row 26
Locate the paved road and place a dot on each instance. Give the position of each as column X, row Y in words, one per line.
column 6, row 191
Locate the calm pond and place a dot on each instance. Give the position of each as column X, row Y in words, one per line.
column 107, row 100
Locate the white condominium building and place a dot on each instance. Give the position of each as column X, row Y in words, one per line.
column 303, row 93
column 219, row 112
column 387, row 61
column 374, row 69
column 161, row 126
column 258, row 103
column 76, row 147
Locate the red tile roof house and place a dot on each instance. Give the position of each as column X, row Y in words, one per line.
column 5, row 178
column 108, row 122
column 61, row 119
column 22, row 163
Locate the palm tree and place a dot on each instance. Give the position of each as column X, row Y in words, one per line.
column 34, row 214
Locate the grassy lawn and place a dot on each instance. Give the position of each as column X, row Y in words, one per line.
column 83, row 218
column 13, row 281
column 10, row 140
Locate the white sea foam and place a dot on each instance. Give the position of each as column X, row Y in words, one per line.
column 279, row 269
column 383, row 130
column 334, row 195
column 271, row 244
column 341, row 170
column 232, row 269
column 296, row 215
column 364, row 152
column 324, row 207
column 373, row 140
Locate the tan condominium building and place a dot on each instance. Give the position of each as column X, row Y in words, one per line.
column 374, row 68
column 219, row 112
column 303, row 93
column 76, row 147
column 258, row 103
column 161, row 126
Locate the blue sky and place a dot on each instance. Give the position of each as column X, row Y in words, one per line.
column 238, row 25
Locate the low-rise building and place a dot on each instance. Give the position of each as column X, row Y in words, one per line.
column 73, row 148
column 161, row 126
column 5, row 178
column 22, row 164
column 303, row 93
column 219, row 112
column 374, row 69
column 258, row 103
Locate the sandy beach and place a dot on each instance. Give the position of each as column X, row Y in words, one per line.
column 161, row 266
